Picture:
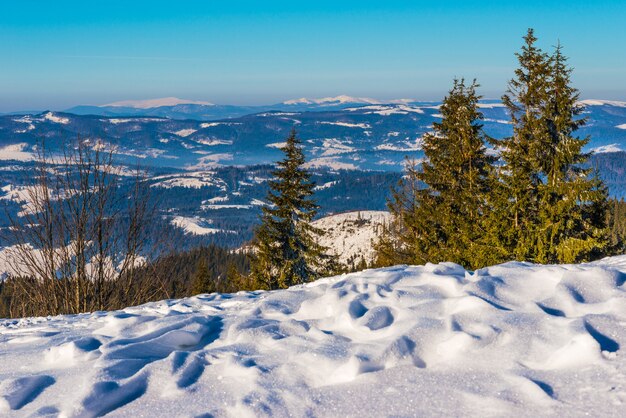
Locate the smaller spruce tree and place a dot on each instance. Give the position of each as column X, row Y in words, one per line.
column 286, row 251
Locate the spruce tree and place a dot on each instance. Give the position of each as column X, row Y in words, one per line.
column 286, row 251
column 457, row 173
column 439, row 212
column 522, row 153
column 550, row 207
column 573, row 205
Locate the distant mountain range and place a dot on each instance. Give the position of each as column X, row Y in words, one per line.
column 337, row 133
column 152, row 103
column 174, row 108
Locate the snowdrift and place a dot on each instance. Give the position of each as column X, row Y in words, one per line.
column 509, row 340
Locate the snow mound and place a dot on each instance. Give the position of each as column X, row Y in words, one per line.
column 511, row 340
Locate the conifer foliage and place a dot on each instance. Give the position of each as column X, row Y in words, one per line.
column 524, row 153
column 539, row 202
column 286, row 252
column 440, row 210
column 554, row 208
column 202, row 281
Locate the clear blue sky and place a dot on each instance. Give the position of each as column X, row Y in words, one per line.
column 56, row 54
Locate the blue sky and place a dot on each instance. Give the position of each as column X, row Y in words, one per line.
column 62, row 53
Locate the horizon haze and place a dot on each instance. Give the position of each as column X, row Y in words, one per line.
column 70, row 53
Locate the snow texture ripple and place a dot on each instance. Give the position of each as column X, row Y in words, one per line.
column 511, row 340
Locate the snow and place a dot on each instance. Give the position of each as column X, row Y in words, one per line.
column 607, row 148
column 502, row 121
column 218, row 207
column 272, row 114
column 490, row 105
column 257, row 202
column 386, row 110
column 404, row 146
column 147, row 104
column 211, row 142
column 511, row 340
column 210, row 161
column 325, row 185
column 195, row 225
column 334, row 146
column 148, row 152
column 23, row 195
column 193, row 180
column 16, row 152
column 342, row 99
column 258, row 180
column 348, row 125
column 278, row 145
column 117, row 121
column 56, row 119
column 593, row 102
column 212, row 124
column 350, row 235
column 185, row 132
column 25, row 119
column 329, row 162
column 216, row 199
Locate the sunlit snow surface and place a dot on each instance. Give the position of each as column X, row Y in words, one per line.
column 511, row 340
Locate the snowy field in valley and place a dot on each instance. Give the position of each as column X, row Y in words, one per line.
column 511, row 340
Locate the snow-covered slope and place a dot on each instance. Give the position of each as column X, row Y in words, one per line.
column 511, row 340
column 350, row 235
column 342, row 99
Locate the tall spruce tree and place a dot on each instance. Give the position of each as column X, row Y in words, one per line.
column 518, row 201
column 573, row 204
column 286, row 252
column 550, row 207
column 439, row 212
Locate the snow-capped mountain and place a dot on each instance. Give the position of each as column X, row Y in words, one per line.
column 511, row 340
column 174, row 108
column 326, row 101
